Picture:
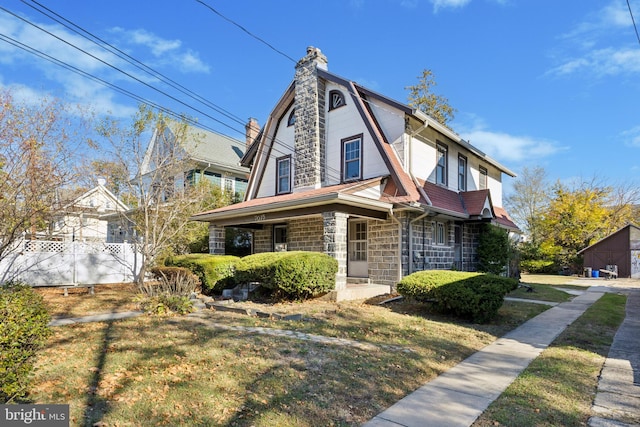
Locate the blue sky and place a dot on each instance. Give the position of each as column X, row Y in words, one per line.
column 535, row 83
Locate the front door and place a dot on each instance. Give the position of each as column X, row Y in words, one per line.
column 357, row 254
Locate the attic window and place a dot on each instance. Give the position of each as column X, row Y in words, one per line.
column 292, row 118
column 336, row 99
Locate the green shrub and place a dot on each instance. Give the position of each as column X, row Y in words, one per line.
column 305, row 274
column 258, row 268
column 539, row 266
column 473, row 296
column 23, row 331
column 493, row 249
column 216, row 272
column 296, row 274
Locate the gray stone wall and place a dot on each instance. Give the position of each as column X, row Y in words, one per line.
column 383, row 252
column 470, row 236
column 305, row 234
column 309, row 128
column 335, row 243
column 263, row 240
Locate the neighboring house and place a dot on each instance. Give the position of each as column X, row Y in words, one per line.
column 82, row 218
column 378, row 185
column 203, row 154
column 621, row 248
column 200, row 154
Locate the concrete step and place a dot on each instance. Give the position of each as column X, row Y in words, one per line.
column 355, row 291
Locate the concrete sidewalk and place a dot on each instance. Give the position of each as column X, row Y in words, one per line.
column 617, row 401
column 460, row 395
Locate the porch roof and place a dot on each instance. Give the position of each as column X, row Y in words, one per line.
column 266, row 209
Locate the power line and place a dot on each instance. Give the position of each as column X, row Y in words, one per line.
column 634, row 21
column 119, row 70
column 246, row 31
column 130, row 59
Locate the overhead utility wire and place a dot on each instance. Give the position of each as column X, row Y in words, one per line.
column 133, row 61
column 120, row 70
column 96, row 79
column 634, row 21
column 246, row 31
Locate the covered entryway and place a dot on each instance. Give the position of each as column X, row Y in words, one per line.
column 357, row 264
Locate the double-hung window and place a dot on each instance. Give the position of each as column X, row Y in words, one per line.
column 352, row 158
column 283, row 172
column 462, row 173
column 441, row 164
column 483, row 178
column 440, row 232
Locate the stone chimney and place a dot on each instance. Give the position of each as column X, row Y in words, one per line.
column 309, row 129
column 251, row 131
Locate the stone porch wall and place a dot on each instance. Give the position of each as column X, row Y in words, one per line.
column 383, row 252
column 305, row 234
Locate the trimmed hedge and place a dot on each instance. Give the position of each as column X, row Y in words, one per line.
column 473, row 296
column 23, row 331
column 297, row 274
column 216, row 272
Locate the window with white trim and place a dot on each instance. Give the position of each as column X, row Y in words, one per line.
column 441, row 164
column 292, row 118
column 462, row 173
column 352, row 158
column 283, row 172
column 440, row 233
column 482, row 185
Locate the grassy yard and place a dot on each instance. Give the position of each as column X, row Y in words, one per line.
column 174, row 371
column 558, row 387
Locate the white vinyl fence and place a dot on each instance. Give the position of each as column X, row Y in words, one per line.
column 48, row 263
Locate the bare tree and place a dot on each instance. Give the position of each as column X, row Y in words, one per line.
column 529, row 200
column 38, row 149
column 152, row 155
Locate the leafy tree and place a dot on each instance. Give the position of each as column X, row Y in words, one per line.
column 161, row 200
column 493, row 249
column 39, row 145
column 421, row 96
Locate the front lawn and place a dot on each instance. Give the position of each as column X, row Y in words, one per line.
column 175, row 371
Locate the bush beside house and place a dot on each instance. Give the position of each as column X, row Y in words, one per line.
column 23, row 331
column 295, row 274
column 216, row 272
column 473, row 296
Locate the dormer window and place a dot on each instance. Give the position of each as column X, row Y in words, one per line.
column 292, row 118
column 283, row 172
column 336, row 99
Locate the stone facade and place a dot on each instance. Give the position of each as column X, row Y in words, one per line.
column 309, row 128
column 384, row 247
column 335, row 243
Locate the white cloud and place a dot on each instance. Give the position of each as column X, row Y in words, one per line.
column 602, row 62
column 165, row 52
column 506, row 147
column 451, row 4
column 631, row 137
column 603, row 44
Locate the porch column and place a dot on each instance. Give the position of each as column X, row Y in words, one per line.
column 216, row 240
column 335, row 243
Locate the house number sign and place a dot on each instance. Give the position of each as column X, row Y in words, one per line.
column 259, row 217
